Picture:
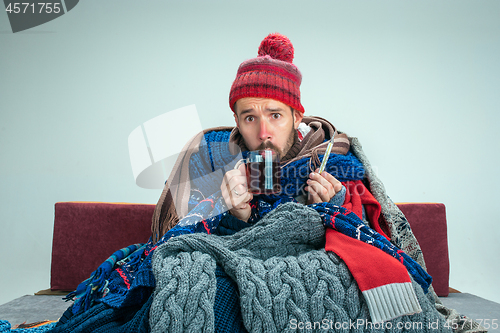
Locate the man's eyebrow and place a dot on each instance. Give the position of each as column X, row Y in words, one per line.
column 276, row 109
column 245, row 111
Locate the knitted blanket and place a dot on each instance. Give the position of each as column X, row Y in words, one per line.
column 286, row 281
column 83, row 295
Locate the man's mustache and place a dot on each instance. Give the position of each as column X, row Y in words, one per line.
column 268, row 145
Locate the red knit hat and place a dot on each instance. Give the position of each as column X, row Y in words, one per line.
column 270, row 75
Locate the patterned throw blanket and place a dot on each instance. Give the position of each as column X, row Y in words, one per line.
column 285, row 279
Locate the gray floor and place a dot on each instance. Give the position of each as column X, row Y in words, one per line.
column 476, row 308
column 35, row 308
column 31, row 308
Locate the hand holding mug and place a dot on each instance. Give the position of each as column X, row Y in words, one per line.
column 235, row 193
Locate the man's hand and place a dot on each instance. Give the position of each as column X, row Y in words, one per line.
column 322, row 187
column 235, row 193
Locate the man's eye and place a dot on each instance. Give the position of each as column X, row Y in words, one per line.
column 276, row 115
column 249, row 118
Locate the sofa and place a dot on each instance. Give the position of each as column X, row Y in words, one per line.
column 87, row 233
column 93, row 230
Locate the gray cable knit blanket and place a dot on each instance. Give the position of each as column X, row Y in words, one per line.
column 287, row 281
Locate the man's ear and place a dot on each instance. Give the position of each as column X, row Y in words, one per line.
column 236, row 120
column 297, row 118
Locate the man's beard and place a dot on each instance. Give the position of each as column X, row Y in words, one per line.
column 281, row 152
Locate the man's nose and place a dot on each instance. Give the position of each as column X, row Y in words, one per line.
column 264, row 131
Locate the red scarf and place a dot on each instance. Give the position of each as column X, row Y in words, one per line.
column 383, row 280
column 358, row 195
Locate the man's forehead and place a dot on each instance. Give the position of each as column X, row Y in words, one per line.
column 248, row 104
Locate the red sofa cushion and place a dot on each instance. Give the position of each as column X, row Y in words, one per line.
column 428, row 223
column 87, row 233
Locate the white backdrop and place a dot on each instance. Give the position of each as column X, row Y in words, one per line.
column 416, row 81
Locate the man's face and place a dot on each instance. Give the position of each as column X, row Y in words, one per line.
column 266, row 123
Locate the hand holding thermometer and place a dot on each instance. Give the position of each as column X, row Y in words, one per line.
column 327, row 153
